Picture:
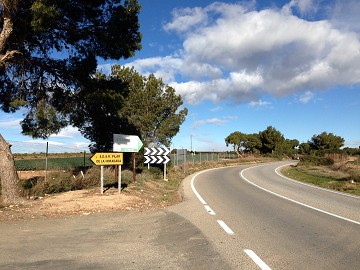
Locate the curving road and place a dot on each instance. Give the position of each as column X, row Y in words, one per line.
column 258, row 218
column 244, row 217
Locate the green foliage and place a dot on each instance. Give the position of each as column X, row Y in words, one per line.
column 152, row 107
column 326, row 142
column 270, row 138
column 271, row 141
column 316, row 161
column 287, row 147
column 252, row 143
column 95, row 112
column 43, row 14
column 352, row 151
column 51, row 49
column 235, row 139
column 325, row 179
column 305, row 148
column 53, row 163
column 43, row 121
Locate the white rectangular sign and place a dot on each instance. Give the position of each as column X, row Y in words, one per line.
column 126, row 143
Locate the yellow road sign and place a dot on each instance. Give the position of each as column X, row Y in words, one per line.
column 107, row 159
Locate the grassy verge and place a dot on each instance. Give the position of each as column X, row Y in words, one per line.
column 323, row 177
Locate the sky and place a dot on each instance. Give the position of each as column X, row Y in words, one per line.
column 243, row 66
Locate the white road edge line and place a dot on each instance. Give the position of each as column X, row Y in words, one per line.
column 256, row 259
column 195, row 191
column 207, row 207
column 309, row 185
column 291, row 200
column 225, row 227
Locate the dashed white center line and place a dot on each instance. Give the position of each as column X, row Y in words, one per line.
column 225, row 227
column 257, row 260
column 209, row 210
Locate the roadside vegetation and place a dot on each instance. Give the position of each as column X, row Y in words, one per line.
column 324, row 172
column 37, row 184
column 343, row 176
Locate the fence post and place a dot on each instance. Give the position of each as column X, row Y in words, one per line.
column 46, row 160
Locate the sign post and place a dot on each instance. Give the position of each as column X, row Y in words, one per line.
column 107, row 159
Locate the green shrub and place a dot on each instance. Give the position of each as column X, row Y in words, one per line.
column 315, row 161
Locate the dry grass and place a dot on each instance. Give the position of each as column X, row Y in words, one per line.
column 342, row 176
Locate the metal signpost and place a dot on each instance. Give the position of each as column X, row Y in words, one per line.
column 157, row 156
column 107, row 159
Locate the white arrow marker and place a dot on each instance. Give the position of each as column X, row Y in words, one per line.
column 147, row 151
column 147, row 159
column 166, row 159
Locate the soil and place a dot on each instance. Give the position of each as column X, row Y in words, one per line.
column 86, row 202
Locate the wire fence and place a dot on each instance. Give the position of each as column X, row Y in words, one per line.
column 181, row 157
column 42, row 155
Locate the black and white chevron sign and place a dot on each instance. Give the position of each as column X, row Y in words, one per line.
column 153, row 151
column 156, row 159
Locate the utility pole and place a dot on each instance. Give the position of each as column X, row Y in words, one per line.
column 191, row 142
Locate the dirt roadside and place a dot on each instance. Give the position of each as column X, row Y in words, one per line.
column 86, row 202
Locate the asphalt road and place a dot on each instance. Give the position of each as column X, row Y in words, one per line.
column 231, row 218
column 277, row 222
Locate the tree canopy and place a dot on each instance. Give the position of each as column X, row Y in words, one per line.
column 48, row 49
column 126, row 102
column 95, row 111
column 271, row 141
column 48, row 59
column 326, row 141
column 270, row 138
column 268, row 141
column 152, row 107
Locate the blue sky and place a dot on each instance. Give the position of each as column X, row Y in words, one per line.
column 244, row 66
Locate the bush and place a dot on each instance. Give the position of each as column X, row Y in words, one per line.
column 315, row 161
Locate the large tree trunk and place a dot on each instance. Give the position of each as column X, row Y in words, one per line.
column 9, row 178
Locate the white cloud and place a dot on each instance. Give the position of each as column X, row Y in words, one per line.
column 259, row 104
column 186, row 18
column 234, row 52
column 43, row 142
column 161, row 67
column 303, row 6
column 216, row 109
column 306, row 97
column 67, row 132
column 345, row 15
column 214, row 121
column 10, row 123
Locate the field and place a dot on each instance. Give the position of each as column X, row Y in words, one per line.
column 38, row 162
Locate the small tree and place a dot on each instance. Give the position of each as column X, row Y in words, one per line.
column 236, row 139
column 305, row 148
column 327, row 142
column 152, row 107
column 252, row 143
column 287, row 147
column 270, row 138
